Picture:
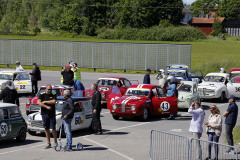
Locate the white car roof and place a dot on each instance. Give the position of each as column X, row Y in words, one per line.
column 2, row 105
column 12, row 71
column 189, row 82
column 218, row 74
column 58, row 86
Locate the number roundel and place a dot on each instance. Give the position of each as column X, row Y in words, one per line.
column 77, row 120
column 3, row 129
column 165, row 106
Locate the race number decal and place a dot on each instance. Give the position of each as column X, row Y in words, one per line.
column 3, row 129
column 77, row 121
column 237, row 89
column 165, row 106
column 22, row 86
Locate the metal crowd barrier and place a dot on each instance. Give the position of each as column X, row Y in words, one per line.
column 170, row 146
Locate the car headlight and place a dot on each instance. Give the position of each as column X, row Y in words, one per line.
column 133, row 108
column 114, row 106
column 29, row 119
column 103, row 95
column 88, row 94
column 28, row 102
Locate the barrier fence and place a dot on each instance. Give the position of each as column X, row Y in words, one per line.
column 126, row 56
column 170, row 146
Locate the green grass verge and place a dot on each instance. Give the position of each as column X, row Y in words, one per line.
column 236, row 135
column 207, row 55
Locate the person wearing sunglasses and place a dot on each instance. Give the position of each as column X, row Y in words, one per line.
column 213, row 129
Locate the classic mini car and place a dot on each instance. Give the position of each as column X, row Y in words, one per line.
column 82, row 116
column 214, row 86
column 233, row 86
column 234, row 72
column 105, row 85
column 31, row 103
column 12, row 123
column 187, row 94
column 141, row 101
column 179, row 73
column 21, row 80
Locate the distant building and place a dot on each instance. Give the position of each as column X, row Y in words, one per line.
column 187, row 15
column 232, row 27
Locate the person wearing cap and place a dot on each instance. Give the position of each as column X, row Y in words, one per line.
column 68, row 76
column 76, row 71
column 231, row 115
column 18, row 66
column 9, row 94
column 161, row 77
column 146, row 79
column 213, row 129
column 35, row 77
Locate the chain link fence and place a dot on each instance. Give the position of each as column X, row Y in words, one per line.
column 126, row 56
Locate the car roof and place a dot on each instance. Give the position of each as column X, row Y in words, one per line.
column 12, row 71
column 185, row 69
column 235, row 69
column 3, row 105
column 218, row 74
column 178, row 65
column 58, row 86
column 148, row 86
column 114, row 78
column 74, row 98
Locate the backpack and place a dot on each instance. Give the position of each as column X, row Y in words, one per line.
column 171, row 90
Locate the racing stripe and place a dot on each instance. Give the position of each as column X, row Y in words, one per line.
column 35, row 115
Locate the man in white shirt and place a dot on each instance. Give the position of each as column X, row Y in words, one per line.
column 196, row 125
column 18, row 66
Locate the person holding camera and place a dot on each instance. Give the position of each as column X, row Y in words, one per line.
column 213, row 129
column 161, row 77
column 196, row 123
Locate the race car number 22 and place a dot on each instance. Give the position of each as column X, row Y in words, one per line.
column 22, row 86
column 165, row 106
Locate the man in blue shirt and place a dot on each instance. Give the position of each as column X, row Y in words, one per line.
column 79, row 88
column 231, row 115
column 146, row 79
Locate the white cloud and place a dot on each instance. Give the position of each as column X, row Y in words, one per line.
column 188, row 1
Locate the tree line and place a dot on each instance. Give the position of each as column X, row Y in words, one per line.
column 86, row 17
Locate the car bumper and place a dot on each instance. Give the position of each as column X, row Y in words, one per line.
column 208, row 96
column 129, row 114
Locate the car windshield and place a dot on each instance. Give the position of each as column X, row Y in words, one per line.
column 56, row 91
column 214, row 79
column 137, row 92
column 107, row 82
column 185, row 88
column 6, row 77
column 59, row 106
column 176, row 74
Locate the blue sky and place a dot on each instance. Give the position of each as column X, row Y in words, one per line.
column 188, row 1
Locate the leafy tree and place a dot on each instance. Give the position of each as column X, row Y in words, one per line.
column 204, row 6
column 229, row 9
column 217, row 28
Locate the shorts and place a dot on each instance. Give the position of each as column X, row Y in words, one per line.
column 49, row 122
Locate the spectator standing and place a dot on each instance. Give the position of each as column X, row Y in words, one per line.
column 146, row 79
column 63, row 69
column 18, row 66
column 79, row 88
column 96, row 103
column 9, row 94
column 231, row 115
column 213, row 129
column 76, row 71
column 36, row 76
column 161, row 77
column 68, row 76
column 67, row 116
column 47, row 102
column 196, row 123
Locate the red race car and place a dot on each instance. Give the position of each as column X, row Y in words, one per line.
column 31, row 103
column 142, row 101
column 105, row 85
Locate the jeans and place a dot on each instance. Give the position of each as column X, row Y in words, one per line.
column 213, row 138
column 198, row 136
column 68, row 131
column 229, row 135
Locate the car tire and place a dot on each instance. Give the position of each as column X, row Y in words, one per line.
column 145, row 115
column 22, row 135
column 222, row 97
column 32, row 133
column 115, row 117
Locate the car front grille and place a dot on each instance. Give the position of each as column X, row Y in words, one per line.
column 37, row 124
column 34, row 107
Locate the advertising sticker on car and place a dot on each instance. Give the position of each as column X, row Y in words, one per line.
column 3, row 129
column 165, row 106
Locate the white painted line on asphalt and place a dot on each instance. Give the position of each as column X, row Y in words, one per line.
column 22, row 149
column 118, row 153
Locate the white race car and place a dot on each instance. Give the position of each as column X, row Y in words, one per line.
column 82, row 116
column 21, row 80
column 233, row 86
column 187, row 94
column 214, row 86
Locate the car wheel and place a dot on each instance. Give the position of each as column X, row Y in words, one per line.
column 32, row 132
column 145, row 115
column 21, row 135
column 115, row 117
column 222, row 97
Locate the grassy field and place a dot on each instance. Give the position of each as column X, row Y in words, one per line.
column 207, row 55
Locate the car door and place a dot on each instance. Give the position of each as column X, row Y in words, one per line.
column 87, row 109
column 233, row 87
column 5, row 124
column 115, row 94
column 78, row 118
column 163, row 104
column 16, row 120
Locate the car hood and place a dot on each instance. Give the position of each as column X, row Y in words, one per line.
column 184, row 94
column 38, row 117
column 131, row 100
column 210, row 84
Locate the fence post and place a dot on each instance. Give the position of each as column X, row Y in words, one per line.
column 51, row 53
column 145, row 56
column 156, row 57
column 167, row 55
column 31, row 61
column 11, row 52
column 124, row 56
column 2, row 51
column 92, row 55
column 190, row 57
column 113, row 56
column 61, row 53
column 103, row 56
column 41, row 53
column 21, row 50
column 179, row 54
column 134, row 57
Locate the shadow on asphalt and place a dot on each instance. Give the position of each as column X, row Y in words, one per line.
column 13, row 143
column 116, row 133
column 95, row 149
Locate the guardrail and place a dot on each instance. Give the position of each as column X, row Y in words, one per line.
column 126, row 56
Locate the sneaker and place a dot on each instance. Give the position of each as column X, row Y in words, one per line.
column 48, row 145
column 67, row 149
column 230, row 151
